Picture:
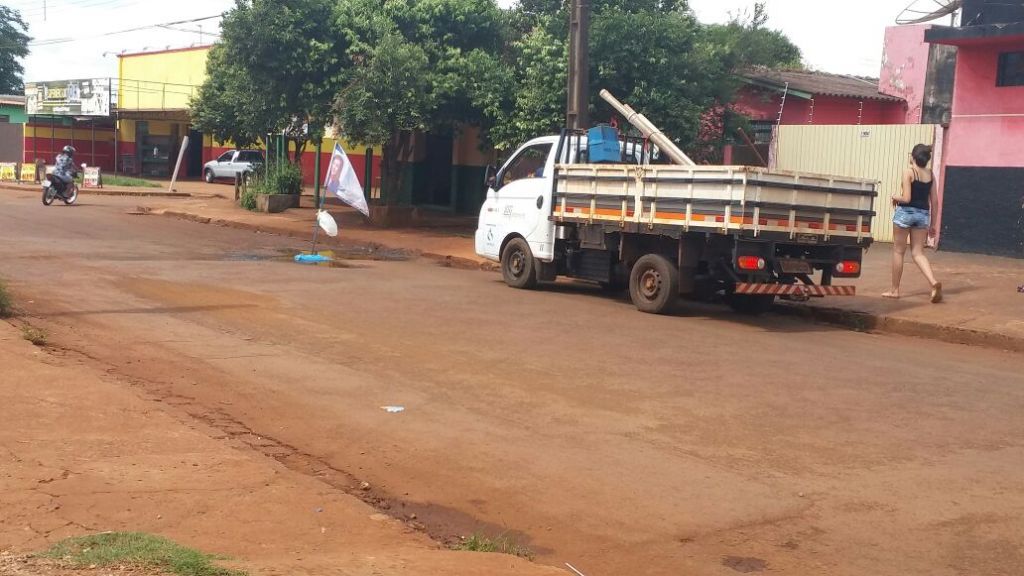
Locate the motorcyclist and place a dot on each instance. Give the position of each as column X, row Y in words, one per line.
column 64, row 170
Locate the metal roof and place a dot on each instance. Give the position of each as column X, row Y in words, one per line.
column 810, row 84
column 12, row 99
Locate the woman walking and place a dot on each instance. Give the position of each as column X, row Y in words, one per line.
column 912, row 220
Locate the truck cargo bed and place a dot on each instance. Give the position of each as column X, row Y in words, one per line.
column 749, row 201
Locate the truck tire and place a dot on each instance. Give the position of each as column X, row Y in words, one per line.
column 654, row 284
column 749, row 304
column 518, row 268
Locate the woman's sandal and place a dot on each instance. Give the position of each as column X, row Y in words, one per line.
column 937, row 293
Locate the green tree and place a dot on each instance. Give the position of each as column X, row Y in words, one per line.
column 429, row 65
column 220, row 111
column 275, row 70
column 746, row 41
column 648, row 53
column 13, row 47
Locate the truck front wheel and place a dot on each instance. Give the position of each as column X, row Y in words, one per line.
column 654, row 284
column 518, row 268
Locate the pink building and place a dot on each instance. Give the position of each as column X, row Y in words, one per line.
column 983, row 162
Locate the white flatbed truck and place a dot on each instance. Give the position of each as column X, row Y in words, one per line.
column 744, row 234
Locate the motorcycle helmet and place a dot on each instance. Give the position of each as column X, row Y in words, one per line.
column 69, row 150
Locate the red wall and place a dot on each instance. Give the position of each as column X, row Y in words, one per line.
column 99, row 154
column 309, row 164
column 987, row 127
column 761, row 104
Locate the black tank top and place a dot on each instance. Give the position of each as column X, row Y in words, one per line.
column 919, row 194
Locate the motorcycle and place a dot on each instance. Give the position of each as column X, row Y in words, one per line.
column 53, row 189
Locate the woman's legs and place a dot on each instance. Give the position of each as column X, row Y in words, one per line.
column 918, row 237
column 899, row 250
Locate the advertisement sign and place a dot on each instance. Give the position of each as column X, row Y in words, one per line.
column 28, row 172
column 8, row 172
column 68, row 98
column 91, row 177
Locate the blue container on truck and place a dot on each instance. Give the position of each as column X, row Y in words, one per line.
column 603, row 144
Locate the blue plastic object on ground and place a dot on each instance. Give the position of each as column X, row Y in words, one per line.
column 311, row 258
column 603, row 144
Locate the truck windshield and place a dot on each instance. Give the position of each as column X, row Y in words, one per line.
column 529, row 163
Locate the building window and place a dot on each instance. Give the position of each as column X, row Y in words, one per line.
column 1011, row 69
column 4, row 118
column 762, row 131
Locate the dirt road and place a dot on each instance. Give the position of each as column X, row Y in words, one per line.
column 702, row 444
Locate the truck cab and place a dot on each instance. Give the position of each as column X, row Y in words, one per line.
column 518, row 203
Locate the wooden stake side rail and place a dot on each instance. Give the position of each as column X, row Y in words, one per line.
column 720, row 199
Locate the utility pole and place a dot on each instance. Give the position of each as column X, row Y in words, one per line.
column 578, row 94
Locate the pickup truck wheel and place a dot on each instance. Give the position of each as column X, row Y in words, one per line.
column 518, row 267
column 654, row 284
column 749, row 304
column 208, row 176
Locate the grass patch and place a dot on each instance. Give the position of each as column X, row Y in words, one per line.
column 6, row 305
column 117, row 180
column 33, row 335
column 248, row 200
column 136, row 549
column 501, row 544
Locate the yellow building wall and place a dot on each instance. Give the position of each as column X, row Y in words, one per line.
column 161, row 80
column 871, row 152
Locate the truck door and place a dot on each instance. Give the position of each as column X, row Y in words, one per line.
column 523, row 198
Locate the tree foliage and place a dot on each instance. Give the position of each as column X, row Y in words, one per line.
column 746, row 42
column 381, row 70
column 417, row 65
column 13, row 47
column 276, row 69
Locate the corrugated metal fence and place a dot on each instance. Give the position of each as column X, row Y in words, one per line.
column 11, row 142
column 872, row 152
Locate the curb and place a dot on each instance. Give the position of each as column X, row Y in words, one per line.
column 874, row 323
column 445, row 260
column 96, row 192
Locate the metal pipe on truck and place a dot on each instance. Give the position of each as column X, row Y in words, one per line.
column 649, row 130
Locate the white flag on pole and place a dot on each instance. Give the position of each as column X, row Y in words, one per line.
column 342, row 182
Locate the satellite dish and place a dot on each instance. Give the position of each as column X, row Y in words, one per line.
column 921, row 11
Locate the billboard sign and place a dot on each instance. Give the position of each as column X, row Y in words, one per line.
column 68, row 98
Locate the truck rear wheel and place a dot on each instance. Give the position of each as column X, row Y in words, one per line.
column 518, row 268
column 654, row 284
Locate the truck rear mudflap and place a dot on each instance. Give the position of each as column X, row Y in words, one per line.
column 798, row 291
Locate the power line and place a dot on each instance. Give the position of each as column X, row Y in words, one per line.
column 52, row 41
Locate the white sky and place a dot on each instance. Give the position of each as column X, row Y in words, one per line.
column 842, row 36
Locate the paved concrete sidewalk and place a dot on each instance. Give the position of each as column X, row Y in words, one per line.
column 983, row 304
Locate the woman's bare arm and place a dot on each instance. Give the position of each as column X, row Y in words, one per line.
column 904, row 196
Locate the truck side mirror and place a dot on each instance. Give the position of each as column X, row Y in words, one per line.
column 490, row 176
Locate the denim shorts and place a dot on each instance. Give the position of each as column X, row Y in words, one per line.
column 910, row 217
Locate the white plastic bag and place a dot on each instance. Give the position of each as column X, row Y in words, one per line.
column 327, row 223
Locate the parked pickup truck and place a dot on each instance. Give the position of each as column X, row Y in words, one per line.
column 743, row 234
column 232, row 163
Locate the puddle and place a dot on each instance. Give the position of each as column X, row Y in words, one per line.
column 341, row 257
column 744, row 565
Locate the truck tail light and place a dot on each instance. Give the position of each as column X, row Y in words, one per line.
column 751, row 263
column 848, row 268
